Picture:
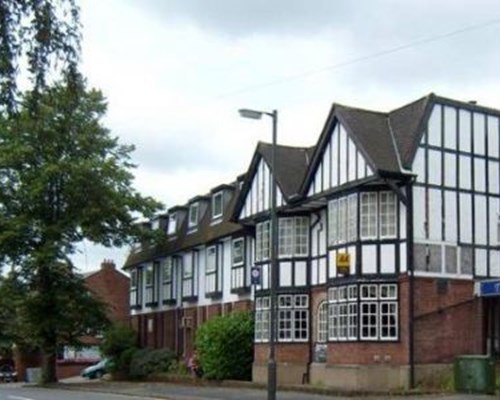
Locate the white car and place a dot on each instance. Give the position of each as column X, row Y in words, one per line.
column 95, row 371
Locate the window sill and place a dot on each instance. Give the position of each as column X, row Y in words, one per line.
column 152, row 304
column 213, row 295
column 190, row 299
column 241, row 290
column 169, row 302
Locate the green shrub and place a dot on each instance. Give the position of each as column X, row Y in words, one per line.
column 146, row 362
column 119, row 345
column 225, row 347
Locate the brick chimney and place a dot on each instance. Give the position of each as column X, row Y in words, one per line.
column 108, row 264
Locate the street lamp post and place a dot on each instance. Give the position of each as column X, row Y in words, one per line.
column 271, row 366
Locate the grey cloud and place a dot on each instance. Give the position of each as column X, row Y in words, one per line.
column 181, row 150
column 367, row 19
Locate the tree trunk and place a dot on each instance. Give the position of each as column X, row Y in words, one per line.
column 49, row 367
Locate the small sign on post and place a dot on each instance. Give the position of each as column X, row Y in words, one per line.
column 255, row 276
column 343, row 263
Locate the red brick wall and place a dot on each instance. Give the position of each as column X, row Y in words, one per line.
column 112, row 287
column 447, row 324
column 289, row 352
column 167, row 331
column 213, row 310
column 244, row 305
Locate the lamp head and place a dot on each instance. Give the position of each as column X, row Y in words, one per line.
column 252, row 114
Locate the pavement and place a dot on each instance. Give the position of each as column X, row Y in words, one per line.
column 182, row 391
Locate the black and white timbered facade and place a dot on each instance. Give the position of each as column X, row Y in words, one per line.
column 387, row 229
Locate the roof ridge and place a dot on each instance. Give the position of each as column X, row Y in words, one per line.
column 286, row 146
column 360, row 109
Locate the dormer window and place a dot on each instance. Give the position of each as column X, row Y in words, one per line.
column 194, row 212
column 217, row 205
column 172, row 224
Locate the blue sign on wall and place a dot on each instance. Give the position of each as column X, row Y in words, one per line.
column 489, row 288
column 255, row 275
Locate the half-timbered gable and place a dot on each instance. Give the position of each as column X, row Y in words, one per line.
column 456, row 194
column 255, row 198
column 356, row 182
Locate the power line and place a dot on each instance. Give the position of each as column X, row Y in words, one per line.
column 360, row 59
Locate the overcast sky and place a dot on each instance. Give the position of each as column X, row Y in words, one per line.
column 175, row 72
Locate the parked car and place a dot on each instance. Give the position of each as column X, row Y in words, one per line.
column 8, row 373
column 96, row 371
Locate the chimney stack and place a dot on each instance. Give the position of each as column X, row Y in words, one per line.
column 108, row 264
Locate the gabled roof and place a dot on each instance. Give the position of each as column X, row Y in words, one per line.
column 370, row 131
column 407, row 124
column 291, row 167
column 388, row 141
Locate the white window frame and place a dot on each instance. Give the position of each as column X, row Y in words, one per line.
column 343, row 220
column 194, row 215
column 391, row 322
column 322, row 322
column 293, row 234
column 369, row 311
column 187, row 270
column 134, row 279
column 217, row 198
column 285, row 237
column 333, row 214
column 301, row 236
column 262, row 241
column 262, row 319
column 293, row 318
column 371, row 317
column 369, row 215
column 238, row 257
column 211, row 260
column 149, row 277
column 167, row 270
column 388, row 214
column 172, row 224
column 167, row 279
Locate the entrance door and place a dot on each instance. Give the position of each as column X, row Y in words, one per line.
column 493, row 332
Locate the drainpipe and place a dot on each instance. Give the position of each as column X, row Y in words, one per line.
column 411, row 294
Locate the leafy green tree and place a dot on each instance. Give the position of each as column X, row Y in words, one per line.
column 46, row 33
column 224, row 346
column 63, row 179
column 119, row 345
column 59, row 316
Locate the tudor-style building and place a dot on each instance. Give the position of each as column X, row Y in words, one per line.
column 386, row 229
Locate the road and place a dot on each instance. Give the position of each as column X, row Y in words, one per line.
column 15, row 392
column 138, row 391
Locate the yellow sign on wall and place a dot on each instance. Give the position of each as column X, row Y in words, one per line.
column 343, row 263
